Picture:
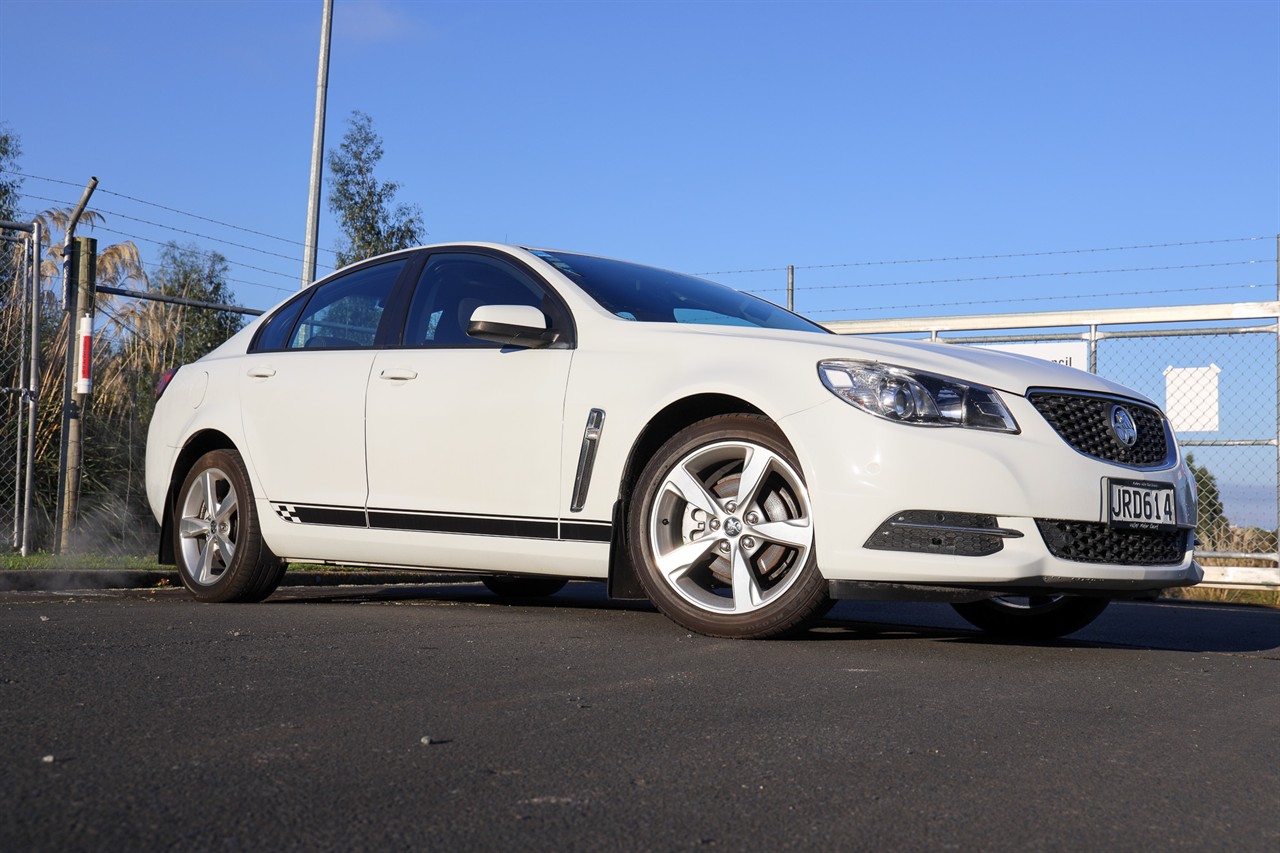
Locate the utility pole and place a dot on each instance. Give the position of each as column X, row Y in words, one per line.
column 68, row 387
column 80, row 342
column 317, row 151
column 791, row 287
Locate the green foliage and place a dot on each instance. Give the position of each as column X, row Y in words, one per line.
column 188, row 272
column 1213, row 529
column 371, row 223
column 10, row 183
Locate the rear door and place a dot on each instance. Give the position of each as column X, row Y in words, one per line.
column 303, row 396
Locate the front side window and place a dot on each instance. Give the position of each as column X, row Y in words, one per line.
column 453, row 285
column 344, row 313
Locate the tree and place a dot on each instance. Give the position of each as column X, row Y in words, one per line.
column 188, row 272
column 10, row 181
column 10, row 193
column 1212, row 528
column 371, row 223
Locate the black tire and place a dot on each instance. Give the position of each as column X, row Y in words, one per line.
column 524, row 586
column 203, row 534
column 1037, row 617
column 716, row 563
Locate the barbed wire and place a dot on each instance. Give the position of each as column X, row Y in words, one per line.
column 809, row 288
column 1005, row 256
column 170, row 209
column 1015, row 300
column 158, row 268
column 203, row 253
column 176, row 229
column 151, row 266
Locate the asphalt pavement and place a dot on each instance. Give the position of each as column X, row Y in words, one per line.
column 439, row 717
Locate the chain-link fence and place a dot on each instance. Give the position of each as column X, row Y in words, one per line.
column 1214, row 369
column 19, row 330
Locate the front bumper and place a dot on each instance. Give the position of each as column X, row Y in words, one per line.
column 861, row 470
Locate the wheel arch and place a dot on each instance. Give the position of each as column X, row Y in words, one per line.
column 677, row 415
column 196, row 446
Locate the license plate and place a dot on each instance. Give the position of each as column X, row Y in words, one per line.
column 1140, row 504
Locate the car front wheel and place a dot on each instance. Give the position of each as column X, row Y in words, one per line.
column 219, row 548
column 1033, row 617
column 721, row 531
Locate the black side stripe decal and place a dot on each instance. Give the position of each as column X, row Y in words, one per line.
column 586, row 531
column 474, row 525
column 523, row 528
column 333, row 516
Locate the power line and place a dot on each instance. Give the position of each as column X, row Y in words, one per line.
column 170, row 209
column 1017, row 300
column 175, row 228
column 198, row 251
column 1015, row 277
column 163, row 269
column 153, row 267
column 988, row 257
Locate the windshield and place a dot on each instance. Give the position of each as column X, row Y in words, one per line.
column 651, row 295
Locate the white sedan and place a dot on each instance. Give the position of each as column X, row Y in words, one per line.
column 535, row 416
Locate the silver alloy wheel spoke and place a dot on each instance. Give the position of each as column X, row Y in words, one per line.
column 204, row 570
column 796, row 534
column 674, row 565
column 226, row 548
column 691, row 490
column 755, row 468
column 747, row 595
column 190, row 528
column 227, row 508
column 210, row 487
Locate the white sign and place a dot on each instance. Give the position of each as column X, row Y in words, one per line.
column 1191, row 398
column 1070, row 353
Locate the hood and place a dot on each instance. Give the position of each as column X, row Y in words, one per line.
column 1002, row 371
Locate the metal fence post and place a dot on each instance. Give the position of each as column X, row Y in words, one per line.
column 86, row 268
column 33, row 376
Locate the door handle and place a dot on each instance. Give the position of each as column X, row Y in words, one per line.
column 398, row 374
column 262, row 372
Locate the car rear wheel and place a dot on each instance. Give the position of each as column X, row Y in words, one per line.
column 1034, row 617
column 524, row 586
column 217, row 542
column 721, row 531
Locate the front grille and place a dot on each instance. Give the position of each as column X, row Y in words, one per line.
column 959, row 534
column 1092, row 542
column 1084, row 422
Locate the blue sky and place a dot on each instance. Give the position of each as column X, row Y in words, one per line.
column 702, row 136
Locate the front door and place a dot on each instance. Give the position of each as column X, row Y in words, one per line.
column 464, row 436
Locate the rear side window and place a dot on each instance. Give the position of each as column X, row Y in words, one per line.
column 342, row 313
column 275, row 332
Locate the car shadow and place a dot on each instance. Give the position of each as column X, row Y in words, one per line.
column 1146, row 626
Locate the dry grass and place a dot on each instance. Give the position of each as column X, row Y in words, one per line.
column 1256, row 597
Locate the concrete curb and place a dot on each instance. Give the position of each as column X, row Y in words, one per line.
column 54, row 580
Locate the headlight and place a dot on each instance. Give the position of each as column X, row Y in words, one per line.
column 912, row 397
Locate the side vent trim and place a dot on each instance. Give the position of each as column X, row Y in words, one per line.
column 587, row 459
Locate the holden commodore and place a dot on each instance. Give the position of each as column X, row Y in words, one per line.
column 536, row 416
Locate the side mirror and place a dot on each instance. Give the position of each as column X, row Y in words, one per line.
column 511, row 325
